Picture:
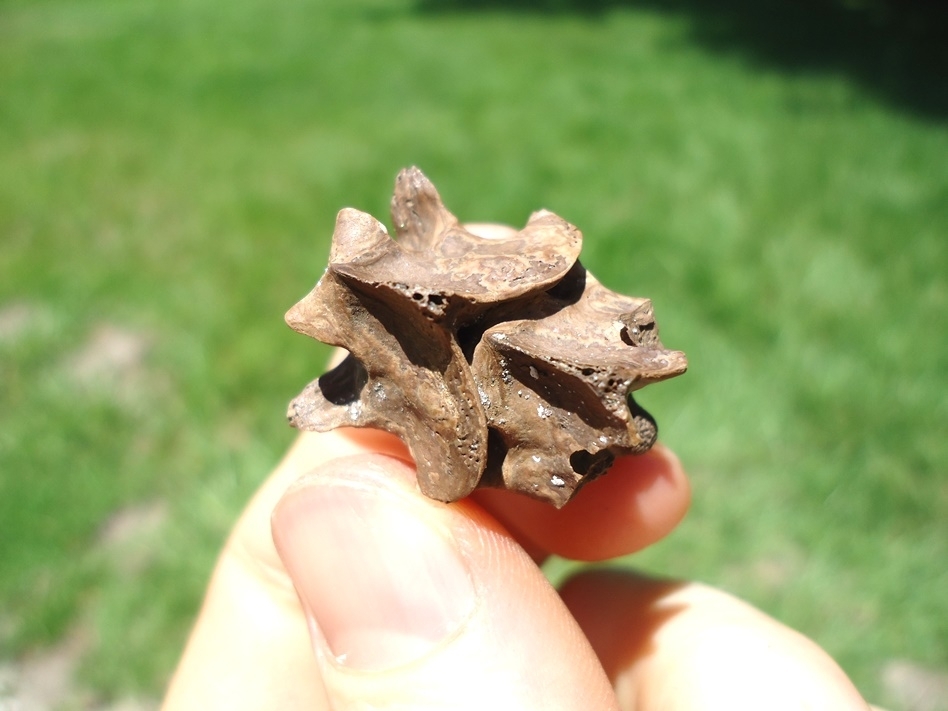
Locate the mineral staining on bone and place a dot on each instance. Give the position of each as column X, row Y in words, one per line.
column 499, row 362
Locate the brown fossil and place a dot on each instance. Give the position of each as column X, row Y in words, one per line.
column 499, row 362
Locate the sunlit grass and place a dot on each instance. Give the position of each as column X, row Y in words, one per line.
column 173, row 170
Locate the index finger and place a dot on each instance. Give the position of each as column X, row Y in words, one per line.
column 639, row 501
column 636, row 503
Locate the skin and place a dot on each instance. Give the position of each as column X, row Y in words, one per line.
column 343, row 587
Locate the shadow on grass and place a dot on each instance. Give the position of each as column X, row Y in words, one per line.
column 898, row 49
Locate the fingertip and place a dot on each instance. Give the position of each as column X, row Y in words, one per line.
column 490, row 230
column 618, row 611
column 673, row 646
column 640, row 501
column 636, row 503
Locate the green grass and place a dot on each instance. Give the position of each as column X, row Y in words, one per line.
column 174, row 168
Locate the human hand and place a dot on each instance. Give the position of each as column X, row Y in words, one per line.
column 409, row 603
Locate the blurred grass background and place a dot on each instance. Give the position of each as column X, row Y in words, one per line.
column 773, row 174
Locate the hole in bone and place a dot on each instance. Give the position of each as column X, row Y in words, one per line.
column 570, row 288
column 343, row 384
column 591, row 465
column 468, row 337
column 496, row 454
column 645, row 424
column 637, row 335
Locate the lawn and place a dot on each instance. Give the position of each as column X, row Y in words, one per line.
column 776, row 181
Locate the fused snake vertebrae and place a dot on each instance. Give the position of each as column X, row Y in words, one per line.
column 499, row 362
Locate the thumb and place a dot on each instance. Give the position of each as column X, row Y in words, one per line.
column 414, row 604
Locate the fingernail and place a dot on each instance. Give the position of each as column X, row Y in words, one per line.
column 381, row 577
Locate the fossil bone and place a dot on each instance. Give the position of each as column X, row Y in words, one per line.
column 499, row 362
